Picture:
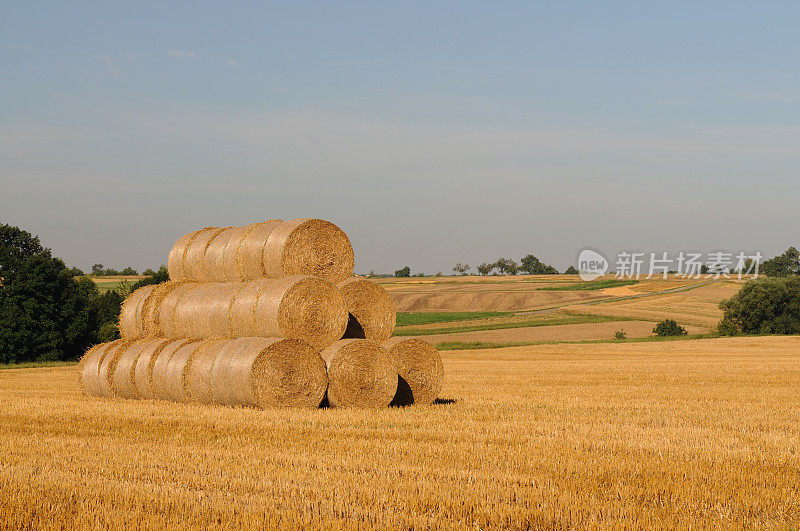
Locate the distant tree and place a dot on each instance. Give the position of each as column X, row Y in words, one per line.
column 533, row 266
column 571, row 271
column 484, row 269
column 620, row 334
column 162, row 275
column 129, row 272
column 782, row 265
column 765, row 306
column 669, row 327
column 97, row 269
column 148, row 272
column 704, row 269
column 404, row 272
column 419, row 275
column 461, row 269
column 76, row 272
column 506, row 266
column 45, row 313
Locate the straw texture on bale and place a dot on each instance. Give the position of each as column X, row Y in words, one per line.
column 159, row 376
column 175, row 372
column 419, row 366
column 297, row 307
column 309, row 247
column 105, row 371
column 269, row 372
column 122, row 380
column 151, row 319
column 372, row 312
column 198, row 370
column 361, row 373
column 89, row 368
column 143, row 372
column 272, row 249
column 130, row 314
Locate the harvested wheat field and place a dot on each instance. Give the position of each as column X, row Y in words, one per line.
column 701, row 433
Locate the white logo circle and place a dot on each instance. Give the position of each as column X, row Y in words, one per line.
column 591, row 265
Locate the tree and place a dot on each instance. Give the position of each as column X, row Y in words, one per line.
column 162, row 275
column 783, row 265
column 484, row 269
column 404, row 272
column 148, row 272
column 506, row 266
column 461, row 269
column 45, row 314
column 765, row 306
column 669, row 327
column 128, row 272
column 533, row 266
column 97, row 269
column 571, row 271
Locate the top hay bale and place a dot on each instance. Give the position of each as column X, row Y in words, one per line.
column 272, row 249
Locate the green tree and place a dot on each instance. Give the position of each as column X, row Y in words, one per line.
column 533, row 266
column 484, row 269
column 783, row 265
column 669, row 327
column 45, row 314
column 404, row 272
column 571, row 271
column 506, row 266
column 148, row 272
column 162, row 275
column 129, row 272
column 97, row 269
column 461, row 269
column 765, row 306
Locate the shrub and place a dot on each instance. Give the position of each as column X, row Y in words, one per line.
column 726, row 327
column 669, row 327
column 620, row 334
column 162, row 275
column 404, row 272
column 108, row 332
column 765, row 306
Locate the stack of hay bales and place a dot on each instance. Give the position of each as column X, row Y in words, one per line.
column 264, row 315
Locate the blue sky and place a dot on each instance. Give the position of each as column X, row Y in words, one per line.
column 431, row 132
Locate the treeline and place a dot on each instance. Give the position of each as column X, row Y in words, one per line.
column 48, row 311
column 528, row 264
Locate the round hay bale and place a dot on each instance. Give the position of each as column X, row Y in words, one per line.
column 151, row 309
column 301, row 307
column 242, row 313
column 372, row 314
column 159, row 374
column 198, row 371
column 166, row 310
column 308, row 247
column 175, row 372
column 219, row 308
column 177, row 255
column 361, row 373
column 130, row 313
column 195, row 256
column 143, row 372
column 108, row 365
column 220, row 264
column 122, row 380
column 269, row 372
column 419, row 366
column 250, row 253
column 88, row 378
column 191, row 316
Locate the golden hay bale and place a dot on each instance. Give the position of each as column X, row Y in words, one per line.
column 242, row 313
column 194, row 257
column 419, row 366
column 166, row 310
column 198, row 370
column 108, row 365
column 361, row 373
column 190, row 316
column 122, row 380
column 150, row 313
column 159, row 374
column 220, row 263
column 177, row 254
column 88, row 368
column 130, row 314
column 250, row 254
column 269, row 372
column 143, row 371
column 308, row 247
column 301, row 307
column 175, row 372
column 219, row 308
column 372, row 312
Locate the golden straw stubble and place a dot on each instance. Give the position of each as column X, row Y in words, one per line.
column 307, row 246
column 268, row 372
column 419, row 366
column 361, row 373
column 372, row 313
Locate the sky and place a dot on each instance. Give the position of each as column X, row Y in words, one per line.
column 431, row 132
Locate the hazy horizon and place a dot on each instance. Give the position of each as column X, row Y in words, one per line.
column 431, row 134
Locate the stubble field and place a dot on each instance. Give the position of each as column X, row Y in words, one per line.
column 699, row 433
